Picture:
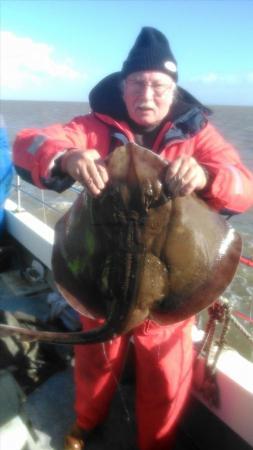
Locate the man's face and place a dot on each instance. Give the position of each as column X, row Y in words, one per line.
column 148, row 96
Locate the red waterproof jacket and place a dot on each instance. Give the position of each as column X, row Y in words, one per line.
column 187, row 132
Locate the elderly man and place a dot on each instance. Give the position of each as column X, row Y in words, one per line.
column 141, row 104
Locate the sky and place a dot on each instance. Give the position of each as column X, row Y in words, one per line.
column 59, row 49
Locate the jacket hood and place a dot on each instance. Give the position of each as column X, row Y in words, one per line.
column 106, row 98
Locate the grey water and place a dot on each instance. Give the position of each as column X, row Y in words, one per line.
column 235, row 123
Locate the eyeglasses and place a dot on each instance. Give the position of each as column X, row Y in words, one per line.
column 138, row 86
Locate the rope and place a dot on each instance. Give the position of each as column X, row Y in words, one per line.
column 243, row 316
column 220, row 312
column 247, row 261
column 241, row 328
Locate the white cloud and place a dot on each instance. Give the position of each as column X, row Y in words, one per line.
column 207, row 78
column 223, row 78
column 215, row 88
column 26, row 63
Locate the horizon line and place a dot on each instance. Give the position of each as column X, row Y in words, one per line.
column 87, row 102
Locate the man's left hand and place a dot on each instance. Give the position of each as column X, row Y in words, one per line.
column 185, row 175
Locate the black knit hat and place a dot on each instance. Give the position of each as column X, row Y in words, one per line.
column 151, row 51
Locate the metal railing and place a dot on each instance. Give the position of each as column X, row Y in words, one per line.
column 31, row 198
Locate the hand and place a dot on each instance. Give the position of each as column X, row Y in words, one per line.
column 86, row 167
column 185, row 175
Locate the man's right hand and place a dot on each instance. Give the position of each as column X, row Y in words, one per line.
column 86, row 167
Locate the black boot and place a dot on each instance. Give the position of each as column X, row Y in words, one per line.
column 76, row 438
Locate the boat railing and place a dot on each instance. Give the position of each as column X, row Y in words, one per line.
column 45, row 205
column 20, row 190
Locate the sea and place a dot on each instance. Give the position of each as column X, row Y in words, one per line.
column 235, row 123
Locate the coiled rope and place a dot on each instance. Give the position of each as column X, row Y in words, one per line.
column 220, row 312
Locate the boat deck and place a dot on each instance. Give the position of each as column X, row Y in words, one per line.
column 48, row 412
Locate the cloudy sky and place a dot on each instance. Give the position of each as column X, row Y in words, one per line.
column 58, row 49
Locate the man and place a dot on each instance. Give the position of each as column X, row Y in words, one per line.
column 142, row 104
